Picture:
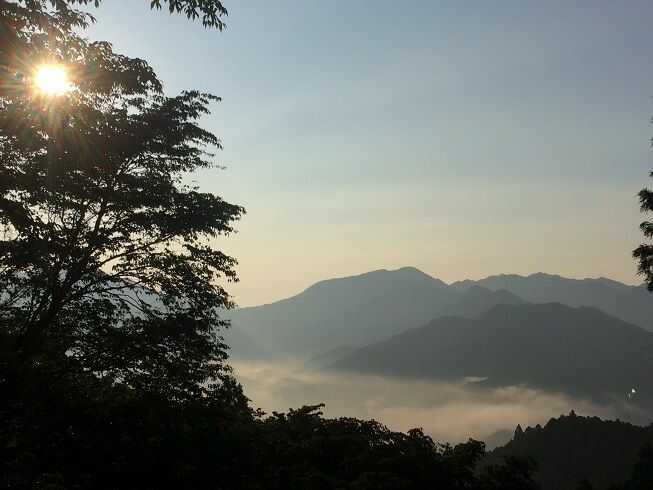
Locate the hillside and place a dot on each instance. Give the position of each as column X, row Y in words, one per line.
column 356, row 311
column 477, row 300
column 346, row 311
column 580, row 351
column 573, row 448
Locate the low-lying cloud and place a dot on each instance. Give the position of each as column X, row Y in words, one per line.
column 450, row 412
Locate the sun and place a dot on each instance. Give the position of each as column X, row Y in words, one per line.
column 51, row 80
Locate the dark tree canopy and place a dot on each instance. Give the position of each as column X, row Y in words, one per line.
column 642, row 475
column 107, row 253
column 211, row 12
column 112, row 370
column 33, row 31
column 644, row 253
column 65, row 12
column 579, row 453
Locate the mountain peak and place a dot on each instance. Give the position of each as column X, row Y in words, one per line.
column 542, row 275
column 407, row 273
column 415, row 272
column 410, row 270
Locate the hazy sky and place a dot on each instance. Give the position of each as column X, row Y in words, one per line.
column 506, row 136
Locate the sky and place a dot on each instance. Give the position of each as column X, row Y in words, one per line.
column 465, row 140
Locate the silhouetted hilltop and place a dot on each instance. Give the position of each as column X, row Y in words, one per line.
column 576, row 350
column 572, row 448
column 375, row 282
column 630, row 303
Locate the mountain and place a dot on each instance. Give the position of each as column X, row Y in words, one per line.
column 358, row 310
column 470, row 303
column 355, row 311
column 580, row 351
column 329, row 357
column 633, row 304
column 476, row 300
column 346, row 311
column 572, row 448
column 243, row 346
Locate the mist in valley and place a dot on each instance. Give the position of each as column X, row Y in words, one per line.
column 448, row 411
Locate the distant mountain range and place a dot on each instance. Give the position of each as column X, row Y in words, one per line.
column 581, row 351
column 571, row 448
column 589, row 338
column 633, row 304
column 352, row 312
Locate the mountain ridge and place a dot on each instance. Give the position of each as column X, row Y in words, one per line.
column 345, row 311
column 580, row 351
column 633, row 304
column 353, row 311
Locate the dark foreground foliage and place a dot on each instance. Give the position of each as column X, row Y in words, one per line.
column 61, row 428
column 585, row 453
column 113, row 373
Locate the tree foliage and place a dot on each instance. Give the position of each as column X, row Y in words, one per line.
column 112, row 370
column 576, row 452
column 145, row 443
column 107, row 253
column 644, row 253
column 642, row 474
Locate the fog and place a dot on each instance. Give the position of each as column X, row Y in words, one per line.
column 450, row 412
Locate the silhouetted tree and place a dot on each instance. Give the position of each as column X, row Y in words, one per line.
column 644, row 253
column 33, row 31
column 642, row 476
column 112, row 371
column 584, row 485
column 576, row 451
column 105, row 251
column 302, row 450
column 515, row 474
column 110, row 354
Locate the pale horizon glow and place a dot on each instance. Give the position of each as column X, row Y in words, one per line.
column 464, row 139
column 52, row 80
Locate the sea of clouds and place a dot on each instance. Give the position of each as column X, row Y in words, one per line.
column 450, row 412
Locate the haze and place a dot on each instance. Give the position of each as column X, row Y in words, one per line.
column 455, row 139
column 309, row 244
column 451, row 412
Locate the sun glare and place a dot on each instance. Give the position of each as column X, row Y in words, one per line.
column 52, row 80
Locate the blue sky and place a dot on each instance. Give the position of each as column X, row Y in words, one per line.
column 465, row 140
